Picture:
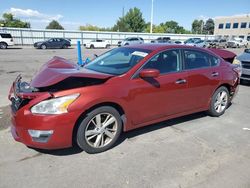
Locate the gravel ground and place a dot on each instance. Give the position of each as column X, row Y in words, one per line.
column 195, row 151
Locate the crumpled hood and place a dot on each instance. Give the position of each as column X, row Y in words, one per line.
column 59, row 69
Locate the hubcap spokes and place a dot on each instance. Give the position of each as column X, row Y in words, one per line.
column 101, row 130
column 221, row 101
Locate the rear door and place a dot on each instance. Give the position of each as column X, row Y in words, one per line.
column 203, row 77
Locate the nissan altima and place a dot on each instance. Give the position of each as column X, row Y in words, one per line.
column 123, row 89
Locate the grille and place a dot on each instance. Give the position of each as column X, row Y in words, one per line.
column 245, row 64
column 17, row 104
column 245, row 76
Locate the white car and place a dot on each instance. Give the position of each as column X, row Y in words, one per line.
column 98, row 43
column 237, row 43
column 130, row 41
column 6, row 40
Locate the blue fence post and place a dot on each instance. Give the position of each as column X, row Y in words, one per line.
column 79, row 53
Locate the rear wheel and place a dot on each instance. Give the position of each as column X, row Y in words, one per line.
column 3, row 45
column 99, row 130
column 92, row 46
column 219, row 102
column 107, row 46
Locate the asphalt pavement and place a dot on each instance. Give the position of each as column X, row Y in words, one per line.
column 195, row 151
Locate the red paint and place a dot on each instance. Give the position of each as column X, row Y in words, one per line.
column 144, row 100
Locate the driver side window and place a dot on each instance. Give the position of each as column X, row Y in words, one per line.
column 166, row 62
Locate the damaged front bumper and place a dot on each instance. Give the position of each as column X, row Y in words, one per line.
column 36, row 130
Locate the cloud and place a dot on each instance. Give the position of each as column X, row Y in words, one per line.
column 33, row 14
column 204, row 18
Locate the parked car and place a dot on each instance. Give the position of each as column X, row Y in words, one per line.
column 237, row 43
column 97, row 43
column 199, row 43
column 53, row 43
column 65, row 104
column 6, row 40
column 191, row 41
column 244, row 61
column 161, row 40
column 218, row 43
column 131, row 40
column 178, row 42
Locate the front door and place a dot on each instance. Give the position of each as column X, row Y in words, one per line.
column 159, row 97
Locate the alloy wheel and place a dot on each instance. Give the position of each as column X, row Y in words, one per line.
column 221, row 101
column 101, row 130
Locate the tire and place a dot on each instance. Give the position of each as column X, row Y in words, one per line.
column 107, row 46
column 64, row 46
column 3, row 45
column 219, row 102
column 43, row 46
column 94, row 138
column 92, row 46
column 126, row 44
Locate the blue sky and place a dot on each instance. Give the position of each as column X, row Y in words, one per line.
column 104, row 13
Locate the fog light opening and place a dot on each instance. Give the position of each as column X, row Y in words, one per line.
column 40, row 136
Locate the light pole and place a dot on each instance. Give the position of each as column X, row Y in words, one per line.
column 152, row 13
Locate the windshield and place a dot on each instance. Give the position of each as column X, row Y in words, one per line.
column 117, row 61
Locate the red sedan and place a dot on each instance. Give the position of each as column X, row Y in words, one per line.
column 123, row 89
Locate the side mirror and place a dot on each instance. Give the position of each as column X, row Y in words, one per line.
column 149, row 73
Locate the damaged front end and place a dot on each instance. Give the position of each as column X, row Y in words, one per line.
column 21, row 93
column 56, row 75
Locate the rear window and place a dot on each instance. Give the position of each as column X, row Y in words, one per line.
column 4, row 35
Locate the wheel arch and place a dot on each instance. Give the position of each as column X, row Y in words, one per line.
column 117, row 106
column 3, row 42
column 228, row 86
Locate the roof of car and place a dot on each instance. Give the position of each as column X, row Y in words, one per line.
column 158, row 47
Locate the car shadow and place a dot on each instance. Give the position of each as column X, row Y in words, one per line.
column 14, row 48
column 128, row 135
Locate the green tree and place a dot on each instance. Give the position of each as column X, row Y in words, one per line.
column 54, row 25
column 89, row 27
column 133, row 21
column 197, row 26
column 121, row 25
column 9, row 21
column 209, row 26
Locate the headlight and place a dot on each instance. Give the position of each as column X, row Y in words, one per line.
column 238, row 62
column 54, row 106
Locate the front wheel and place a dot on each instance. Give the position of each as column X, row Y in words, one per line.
column 64, row 46
column 99, row 130
column 219, row 102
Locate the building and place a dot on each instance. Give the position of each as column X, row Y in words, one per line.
column 233, row 26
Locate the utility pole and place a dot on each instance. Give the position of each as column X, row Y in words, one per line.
column 122, row 12
column 152, row 12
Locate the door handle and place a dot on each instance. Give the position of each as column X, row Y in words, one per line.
column 181, row 81
column 214, row 74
